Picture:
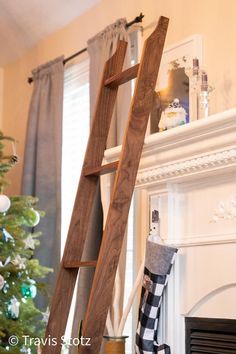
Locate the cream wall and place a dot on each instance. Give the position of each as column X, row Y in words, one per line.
column 211, row 18
column 1, row 95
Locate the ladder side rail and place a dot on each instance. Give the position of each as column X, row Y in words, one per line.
column 101, row 293
column 66, row 280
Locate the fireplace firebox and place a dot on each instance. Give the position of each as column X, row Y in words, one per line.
column 210, row 335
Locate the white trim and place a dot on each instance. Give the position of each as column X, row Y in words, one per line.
column 208, row 297
column 192, row 166
column 202, row 146
column 193, row 132
column 190, row 47
column 202, row 240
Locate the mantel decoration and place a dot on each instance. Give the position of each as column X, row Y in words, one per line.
column 199, row 91
column 173, row 82
column 173, row 116
column 159, row 260
column 181, row 78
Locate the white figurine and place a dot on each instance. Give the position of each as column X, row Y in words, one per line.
column 173, row 116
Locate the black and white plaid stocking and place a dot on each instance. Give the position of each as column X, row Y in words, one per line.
column 158, row 263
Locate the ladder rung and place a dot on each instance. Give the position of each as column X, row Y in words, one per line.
column 123, row 77
column 87, row 264
column 101, row 170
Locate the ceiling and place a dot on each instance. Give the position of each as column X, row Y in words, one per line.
column 24, row 22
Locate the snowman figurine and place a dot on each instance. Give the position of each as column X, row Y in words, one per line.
column 173, row 116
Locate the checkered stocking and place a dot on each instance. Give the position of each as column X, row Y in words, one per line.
column 158, row 263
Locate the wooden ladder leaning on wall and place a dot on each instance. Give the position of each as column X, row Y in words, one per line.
column 127, row 167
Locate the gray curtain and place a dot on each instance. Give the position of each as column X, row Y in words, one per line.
column 42, row 161
column 100, row 48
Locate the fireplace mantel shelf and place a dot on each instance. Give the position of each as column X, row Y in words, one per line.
column 190, row 151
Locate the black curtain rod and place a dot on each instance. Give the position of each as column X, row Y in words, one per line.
column 137, row 19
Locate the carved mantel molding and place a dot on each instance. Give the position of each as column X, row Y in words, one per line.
column 186, row 167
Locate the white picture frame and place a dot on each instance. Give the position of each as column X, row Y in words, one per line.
column 189, row 48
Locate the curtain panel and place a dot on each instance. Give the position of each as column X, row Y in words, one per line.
column 100, row 48
column 42, row 160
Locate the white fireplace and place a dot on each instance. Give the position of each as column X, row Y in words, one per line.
column 189, row 174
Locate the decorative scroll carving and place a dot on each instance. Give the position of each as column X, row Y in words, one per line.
column 226, row 210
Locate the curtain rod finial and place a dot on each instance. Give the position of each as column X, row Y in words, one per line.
column 141, row 16
column 137, row 19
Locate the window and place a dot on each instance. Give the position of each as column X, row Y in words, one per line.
column 75, row 136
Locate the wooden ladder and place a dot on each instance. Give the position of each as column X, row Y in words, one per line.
column 127, row 167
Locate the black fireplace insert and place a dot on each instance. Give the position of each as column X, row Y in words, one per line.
column 210, row 335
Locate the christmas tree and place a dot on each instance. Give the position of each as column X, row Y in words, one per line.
column 20, row 274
